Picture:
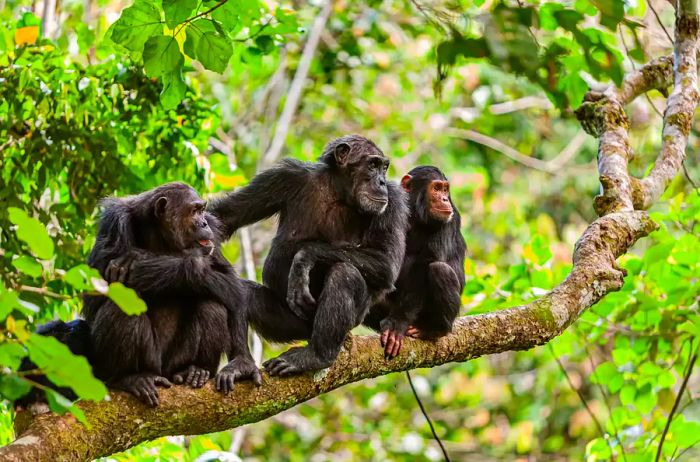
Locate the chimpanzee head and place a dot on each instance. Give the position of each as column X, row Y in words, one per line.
column 429, row 193
column 183, row 222
column 361, row 172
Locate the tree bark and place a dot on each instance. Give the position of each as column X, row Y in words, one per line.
column 123, row 422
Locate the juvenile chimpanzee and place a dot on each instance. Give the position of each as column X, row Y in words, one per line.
column 427, row 297
column 164, row 245
column 339, row 244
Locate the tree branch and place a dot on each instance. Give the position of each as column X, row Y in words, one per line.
column 188, row 411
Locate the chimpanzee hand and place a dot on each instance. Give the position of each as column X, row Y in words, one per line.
column 193, row 376
column 143, row 386
column 299, row 297
column 240, row 367
column 393, row 332
column 118, row 269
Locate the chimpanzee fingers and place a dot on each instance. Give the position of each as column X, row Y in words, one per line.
column 190, row 375
column 257, row 377
column 389, row 346
column 274, row 365
column 286, row 370
column 112, row 271
column 162, row 381
column 384, row 337
column 397, row 346
column 123, row 273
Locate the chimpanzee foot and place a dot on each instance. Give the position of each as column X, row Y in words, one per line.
column 238, row 368
column 393, row 332
column 143, row 386
column 193, row 376
column 414, row 332
column 295, row 361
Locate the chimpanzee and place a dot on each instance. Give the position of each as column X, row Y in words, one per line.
column 76, row 336
column 339, row 245
column 427, row 297
column 164, row 245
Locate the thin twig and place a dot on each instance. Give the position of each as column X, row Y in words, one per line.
column 493, row 143
column 687, row 176
column 427, row 418
column 607, row 404
column 44, row 291
column 582, row 398
column 294, row 95
column 677, row 401
column 634, row 67
column 658, row 20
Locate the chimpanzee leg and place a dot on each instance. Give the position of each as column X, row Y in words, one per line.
column 196, row 356
column 342, row 305
column 270, row 316
column 442, row 305
column 126, row 354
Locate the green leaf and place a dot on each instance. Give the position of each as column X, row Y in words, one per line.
column 136, row 25
column 193, row 33
column 228, row 16
column 13, row 387
column 63, row 368
column 177, row 11
column 32, row 232
column 214, row 51
column 81, row 277
column 126, row 299
column 161, row 56
column 11, row 355
column 28, row 266
column 60, row 405
column 173, row 90
column 8, row 301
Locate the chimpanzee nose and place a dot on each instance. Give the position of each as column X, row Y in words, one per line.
column 382, row 182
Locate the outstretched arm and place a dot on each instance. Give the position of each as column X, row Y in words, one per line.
column 263, row 197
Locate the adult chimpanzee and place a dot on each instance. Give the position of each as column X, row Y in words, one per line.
column 163, row 244
column 339, row 244
column 427, row 296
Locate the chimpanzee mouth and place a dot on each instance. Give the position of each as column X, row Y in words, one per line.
column 205, row 243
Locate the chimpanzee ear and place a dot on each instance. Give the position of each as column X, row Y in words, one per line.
column 341, row 153
column 406, row 183
column 161, row 204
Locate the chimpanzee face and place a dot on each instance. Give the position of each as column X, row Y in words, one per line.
column 184, row 221
column 364, row 167
column 369, row 183
column 429, row 196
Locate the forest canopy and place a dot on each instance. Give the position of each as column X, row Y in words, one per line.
column 561, row 126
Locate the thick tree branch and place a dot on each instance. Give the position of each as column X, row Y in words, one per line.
column 680, row 109
column 124, row 422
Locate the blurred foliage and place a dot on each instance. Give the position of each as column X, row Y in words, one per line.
column 89, row 107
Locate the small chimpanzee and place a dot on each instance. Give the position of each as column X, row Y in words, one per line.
column 427, row 297
column 164, row 245
column 339, row 244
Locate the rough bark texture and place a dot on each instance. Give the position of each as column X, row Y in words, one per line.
column 123, row 422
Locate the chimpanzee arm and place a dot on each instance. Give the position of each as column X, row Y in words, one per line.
column 263, row 197
column 378, row 260
column 155, row 274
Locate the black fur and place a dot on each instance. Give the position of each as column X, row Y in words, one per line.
column 339, row 245
column 163, row 244
column 431, row 281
